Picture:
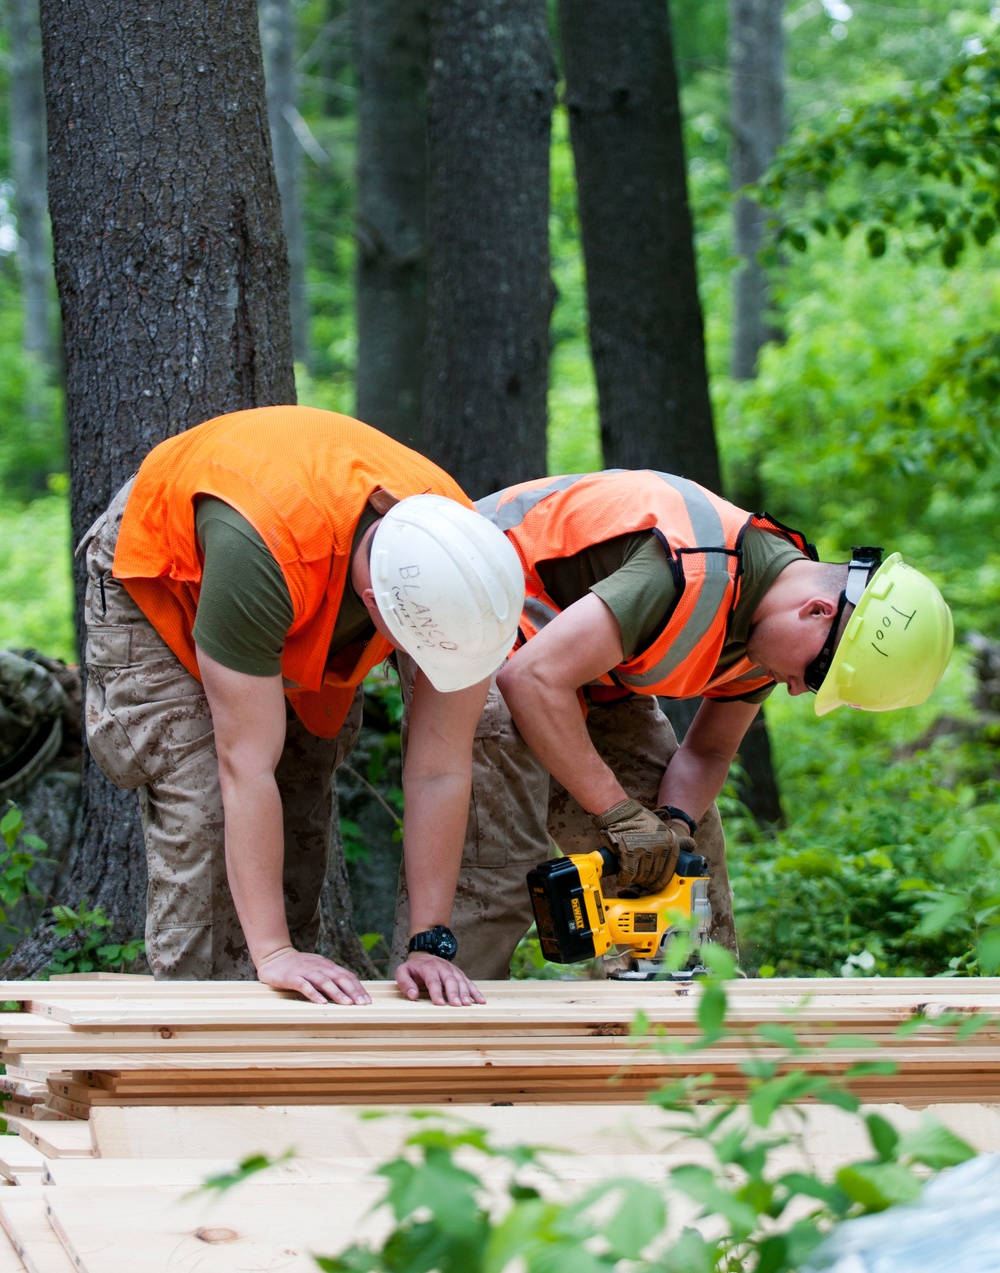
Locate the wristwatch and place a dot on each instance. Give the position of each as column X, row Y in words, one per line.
column 670, row 813
column 438, row 941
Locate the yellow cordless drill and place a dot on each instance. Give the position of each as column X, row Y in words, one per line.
column 576, row 921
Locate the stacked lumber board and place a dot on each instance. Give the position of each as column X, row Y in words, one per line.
column 130, row 1207
column 88, row 1046
column 137, row 1092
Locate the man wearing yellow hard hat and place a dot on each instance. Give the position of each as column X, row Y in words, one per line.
column 643, row 585
column 895, row 643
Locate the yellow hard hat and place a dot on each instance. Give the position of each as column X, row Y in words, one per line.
column 895, row 647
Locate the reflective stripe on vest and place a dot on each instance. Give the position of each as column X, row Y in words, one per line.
column 557, row 517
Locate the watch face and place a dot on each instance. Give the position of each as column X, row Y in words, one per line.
column 444, row 943
column 438, row 941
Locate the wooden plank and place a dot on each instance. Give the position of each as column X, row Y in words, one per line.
column 550, row 1053
column 24, row 1219
column 254, row 1227
column 10, row 1261
column 157, row 1011
column 123, row 978
column 16, row 1155
column 133, row 986
column 56, row 1140
column 190, row 1173
column 319, row 1131
column 831, row 1138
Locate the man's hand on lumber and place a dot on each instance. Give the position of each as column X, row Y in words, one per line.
column 445, row 983
column 317, row 978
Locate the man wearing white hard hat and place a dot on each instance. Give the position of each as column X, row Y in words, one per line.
column 239, row 589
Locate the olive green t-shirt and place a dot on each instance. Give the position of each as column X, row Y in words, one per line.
column 244, row 609
column 632, row 576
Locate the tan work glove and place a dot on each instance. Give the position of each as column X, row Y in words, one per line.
column 646, row 847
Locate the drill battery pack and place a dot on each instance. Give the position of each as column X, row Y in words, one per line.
column 575, row 921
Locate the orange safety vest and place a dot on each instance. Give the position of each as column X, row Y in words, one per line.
column 301, row 477
column 557, row 517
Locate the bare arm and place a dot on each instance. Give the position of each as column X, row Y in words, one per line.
column 698, row 770
column 437, row 780
column 539, row 684
column 248, row 715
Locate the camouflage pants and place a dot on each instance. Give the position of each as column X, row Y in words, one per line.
column 517, row 811
column 149, row 728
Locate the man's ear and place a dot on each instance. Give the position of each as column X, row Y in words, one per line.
column 818, row 607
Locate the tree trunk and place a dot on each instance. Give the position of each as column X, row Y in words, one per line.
column 277, row 36
column 490, row 98
column 646, row 329
column 34, row 256
column 173, row 281
column 27, row 139
column 391, row 43
column 756, row 65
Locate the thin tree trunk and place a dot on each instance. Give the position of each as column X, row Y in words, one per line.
column 27, row 138
column 173, row 281
column 757, row 73
column 756, row 64
column 34, row 255
column 391, row 42
column 490, row 98
column 277, row 34
column 646, row 327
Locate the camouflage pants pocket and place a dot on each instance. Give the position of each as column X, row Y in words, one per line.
column 145, row 713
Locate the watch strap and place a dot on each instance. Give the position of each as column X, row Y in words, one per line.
column 669, row 813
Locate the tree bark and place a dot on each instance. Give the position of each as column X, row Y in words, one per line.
column 173, row 282
column 490, row 98
column 646, row 327
column 391, row 44
column 757, row 73
column 277, row 36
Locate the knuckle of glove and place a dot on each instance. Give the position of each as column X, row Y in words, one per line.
column 647, row 849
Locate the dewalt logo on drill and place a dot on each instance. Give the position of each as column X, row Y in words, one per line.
column 577, row 912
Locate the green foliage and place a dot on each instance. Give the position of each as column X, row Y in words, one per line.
column 20, row 852
column 36, row 608
column 574, row 444
column 88, row 949
column 901, row 420
column 529, row 964
column 32, row 441
column 890, row 864
column 936, row 150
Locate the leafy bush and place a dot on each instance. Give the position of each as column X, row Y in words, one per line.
column 87, row 948
column 892, row 852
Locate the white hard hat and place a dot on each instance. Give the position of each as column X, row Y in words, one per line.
column 449, row 586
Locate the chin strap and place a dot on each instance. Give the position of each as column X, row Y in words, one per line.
column 863, row 561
